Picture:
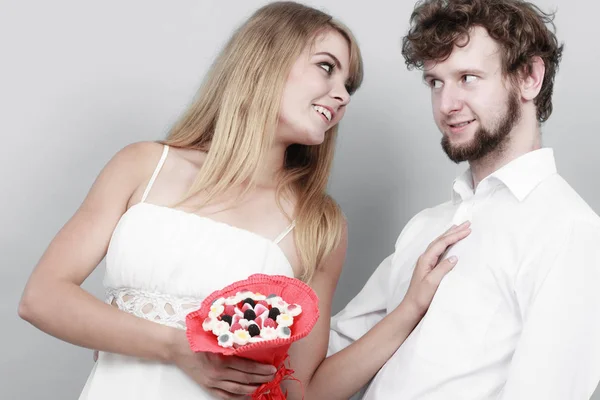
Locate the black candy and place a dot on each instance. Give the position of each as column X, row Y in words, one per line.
column 226, row 318
column 273, row 313
column 253, row 330
column 249, row 301
column 250, row 315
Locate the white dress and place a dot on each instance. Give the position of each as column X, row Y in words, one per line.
column 161, row 263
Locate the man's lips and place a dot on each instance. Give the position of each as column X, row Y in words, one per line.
column 460, row 124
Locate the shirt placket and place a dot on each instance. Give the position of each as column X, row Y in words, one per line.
column 466, row 208
column 464, row 212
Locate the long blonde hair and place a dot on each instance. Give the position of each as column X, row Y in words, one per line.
column 236, row 112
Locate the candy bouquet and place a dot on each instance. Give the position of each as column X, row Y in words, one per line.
column 257, row 318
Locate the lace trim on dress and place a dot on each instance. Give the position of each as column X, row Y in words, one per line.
column 157, row 307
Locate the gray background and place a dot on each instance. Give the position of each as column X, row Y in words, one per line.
column 80, row 80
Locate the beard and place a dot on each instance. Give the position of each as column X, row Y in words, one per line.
column 486, row 141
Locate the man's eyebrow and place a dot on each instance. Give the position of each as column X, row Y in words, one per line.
column 470, row 71
column 462, row 72
column 428, row 75
column 334, row 58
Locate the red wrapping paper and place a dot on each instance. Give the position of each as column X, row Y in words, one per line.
column 273, row 352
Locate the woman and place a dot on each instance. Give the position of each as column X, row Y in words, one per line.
column 237, row 188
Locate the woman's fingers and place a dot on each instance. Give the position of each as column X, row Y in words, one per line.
column 249, row 366
column 235, row 389
column 441, row 270
column 234, row 375
column 439, row 245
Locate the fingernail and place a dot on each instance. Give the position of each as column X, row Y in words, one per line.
column 453, row 259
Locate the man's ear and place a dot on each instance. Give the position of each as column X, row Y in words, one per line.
column 532, row 78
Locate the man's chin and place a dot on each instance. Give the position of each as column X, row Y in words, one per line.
column 457, row 152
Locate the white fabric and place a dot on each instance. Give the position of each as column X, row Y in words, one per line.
column 161, row 263
column 159, row 166
column 519, row 316
column 285, row 233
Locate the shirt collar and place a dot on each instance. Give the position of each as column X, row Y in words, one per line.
column 520, row 176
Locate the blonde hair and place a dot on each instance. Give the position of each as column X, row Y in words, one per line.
column 235, row 116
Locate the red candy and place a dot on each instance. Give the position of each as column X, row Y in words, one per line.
column 258, row 321
column 263, row 303
column 235, row 327
column 230, row 310
column 259, row 309
column 270, row 322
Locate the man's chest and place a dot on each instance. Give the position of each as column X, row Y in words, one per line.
column 475, row 309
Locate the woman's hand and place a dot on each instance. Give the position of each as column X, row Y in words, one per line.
column 226, row 377
column 431, row 268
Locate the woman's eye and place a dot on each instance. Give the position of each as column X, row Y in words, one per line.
column 328, row 67
column 469, row 78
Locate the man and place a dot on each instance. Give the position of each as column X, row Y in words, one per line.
column 519, row 316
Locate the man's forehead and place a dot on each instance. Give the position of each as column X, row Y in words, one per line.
column 480, row 51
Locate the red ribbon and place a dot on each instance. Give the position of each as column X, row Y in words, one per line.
column 272, row 390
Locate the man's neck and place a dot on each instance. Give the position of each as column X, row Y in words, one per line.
column 524, row 138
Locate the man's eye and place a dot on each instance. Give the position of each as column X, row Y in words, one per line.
column 469, row 78
column 435, row 83
column 328, row 67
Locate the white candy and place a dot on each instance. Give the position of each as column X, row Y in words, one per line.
column 219, row 302
column 268, row 333
column 294, row 310
column 245, row 294
column 244, row 323
column 241, row 337
column 273, row 300
column 208, row 324
column 225, row 340
column 231, row 301
column 285, row 320
column 220, row 328
column 258, row 296
column 284, row 332
column 216, row 311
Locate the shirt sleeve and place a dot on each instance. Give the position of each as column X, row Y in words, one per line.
column 558, row 353
column 363, row 312
column 371, row 303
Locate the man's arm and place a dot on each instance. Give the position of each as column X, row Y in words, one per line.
column 558, row 354
column 363, row 312
column 370, row 304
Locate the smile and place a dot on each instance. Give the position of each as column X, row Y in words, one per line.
column 461, row 124
column 323, row 111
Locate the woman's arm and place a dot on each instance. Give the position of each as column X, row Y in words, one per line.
column 54, row 302
column 344, row 373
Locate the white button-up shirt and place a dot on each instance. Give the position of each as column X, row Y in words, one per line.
column 518, row 318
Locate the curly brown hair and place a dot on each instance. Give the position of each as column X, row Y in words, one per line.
column 522, row 30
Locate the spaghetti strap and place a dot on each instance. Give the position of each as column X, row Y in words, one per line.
column 156, row 171
column 285, row 233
